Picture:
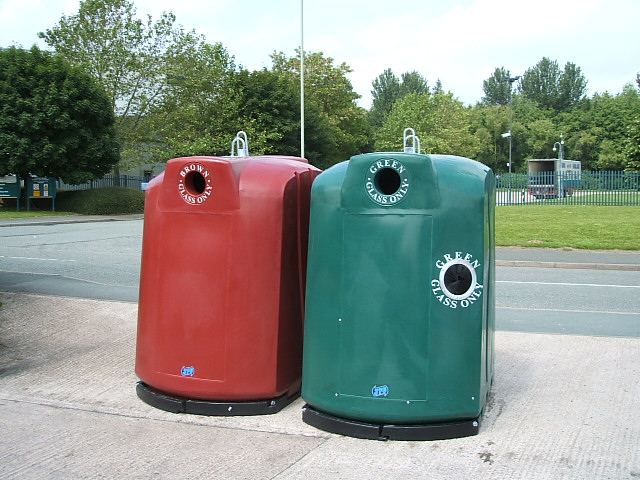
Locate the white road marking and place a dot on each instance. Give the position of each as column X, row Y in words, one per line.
column 565, row 310
column 38, row 259
column 569, row 284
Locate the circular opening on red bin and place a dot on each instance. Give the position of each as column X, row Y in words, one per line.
column 195, row 183
column 387, row 181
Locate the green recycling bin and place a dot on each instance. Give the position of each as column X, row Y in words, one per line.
column 400, row 310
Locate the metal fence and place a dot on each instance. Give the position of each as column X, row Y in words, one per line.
column 129, row 181
column 588, row 188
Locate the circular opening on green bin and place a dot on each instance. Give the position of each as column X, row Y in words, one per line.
column 458, row 279
column 387, row 181
column 195, row 183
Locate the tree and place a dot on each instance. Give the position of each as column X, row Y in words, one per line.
column 497, row 88
column 599, row 129
column 413, row 82
column 610, row 156
column 632, row 147
column 196, row 113
column 385, row 93
column 388, row 89
column 540, row 138
column 438, row 88
column 126, row 55
column 572, row 87
column 540, row 83
column 442, row 123
column 55, row 120
column 268, row 109
column 263, row 103
column 329, row 92
column 488, row 124
column 552, row 88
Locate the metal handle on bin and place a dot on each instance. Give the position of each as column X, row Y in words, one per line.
column 241, row 144
column 410, row 134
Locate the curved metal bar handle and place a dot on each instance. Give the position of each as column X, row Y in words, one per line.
column 240, row 145
column 242, row 134
column 410, row 134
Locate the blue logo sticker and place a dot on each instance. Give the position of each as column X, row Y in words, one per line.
column 188, row 371
column 381, row 391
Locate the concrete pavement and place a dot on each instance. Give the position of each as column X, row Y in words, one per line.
column 562, row 407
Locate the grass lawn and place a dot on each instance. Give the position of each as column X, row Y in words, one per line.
column 11, row 213
column 557, row 226
column 575, row 226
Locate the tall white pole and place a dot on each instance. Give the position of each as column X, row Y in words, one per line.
column 302, row 78
column 510, row 123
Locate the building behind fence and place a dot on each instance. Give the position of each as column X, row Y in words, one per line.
column 593, row 188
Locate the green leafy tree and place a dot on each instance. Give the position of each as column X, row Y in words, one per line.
column 385, row 93
column 127, row 56
column 413, row 82
column 610, row 156
column 55, row 120
column 632, row 147
column 329, row 93
column 497, row 88
column 262, row 103
column 572, row 87
column 540, row 83
column 388, row 89
column 197, row 112
column 540, row 138
column 438, row 88
column 488, row 124
column 582, row 146
column 535, row 130
column 552, row 88
column 601, row 126
column 269, row 111
column 441, row 122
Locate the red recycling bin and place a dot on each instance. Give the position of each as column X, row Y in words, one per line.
column 220, row 314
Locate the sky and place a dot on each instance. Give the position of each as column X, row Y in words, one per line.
column 459, row 42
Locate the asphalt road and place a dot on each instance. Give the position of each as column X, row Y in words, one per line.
column 94, row 257
column 569, row 301
column 99, row 258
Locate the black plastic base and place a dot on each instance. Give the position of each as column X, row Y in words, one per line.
column 168, row 403
column 352, row 428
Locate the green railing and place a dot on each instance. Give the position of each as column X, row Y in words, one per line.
column 586, row 188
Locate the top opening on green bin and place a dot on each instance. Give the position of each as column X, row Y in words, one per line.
column 387, row 181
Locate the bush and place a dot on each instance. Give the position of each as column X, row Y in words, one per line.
column 101, row 201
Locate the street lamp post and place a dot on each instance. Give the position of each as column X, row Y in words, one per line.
column 560, row 148
column 511, row 80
